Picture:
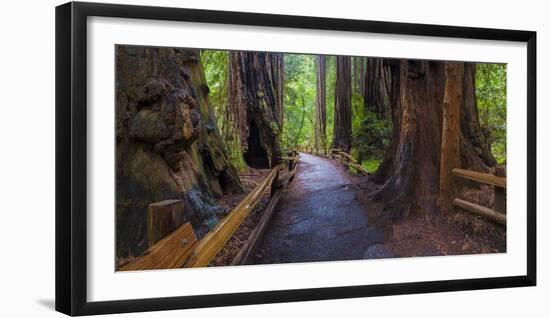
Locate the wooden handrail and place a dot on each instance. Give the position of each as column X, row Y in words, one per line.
column 170, row 252
column 480, row 177
column 357, row 167
column 480, row 210
column 248, row 248
column 350, row 161
column 257, row 234
column 214, row 241
column 347, row 156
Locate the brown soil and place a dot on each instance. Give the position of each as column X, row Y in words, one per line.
column 249, row 180
column 454, row 233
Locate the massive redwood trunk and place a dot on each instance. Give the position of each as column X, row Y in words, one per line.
column 321, row 105
column 342, row 105
column 413, row 182
column 167, row 142
column 255, row 98
column 411, row 168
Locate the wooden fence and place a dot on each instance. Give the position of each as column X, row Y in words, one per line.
column 338, row 154
column 180, row 248
column 348, row 160
column 498, row 181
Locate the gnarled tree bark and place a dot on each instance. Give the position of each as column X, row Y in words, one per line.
column 167, row 142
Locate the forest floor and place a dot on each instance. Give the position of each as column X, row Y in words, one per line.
column 453, row 233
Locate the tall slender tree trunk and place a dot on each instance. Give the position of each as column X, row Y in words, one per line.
column 342, row 105
column 362, row 77
column 321, row 105
column 255, row 98
column 474, row 148
column 378, row 85
column 279, row 71
column 386, row 166
column 450, row 140
column 356, row 74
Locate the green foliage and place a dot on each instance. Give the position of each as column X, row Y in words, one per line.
column 372, row 137
column 358, row 113
column 491, row 103
column 371, row 165
column 215, row 64
column 299, row 100
column 216, row 68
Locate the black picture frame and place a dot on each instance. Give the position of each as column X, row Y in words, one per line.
column 71, row 157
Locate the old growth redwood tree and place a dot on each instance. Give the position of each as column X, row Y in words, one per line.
column 342, row 105
column 167, row 142
column 255, row 101
column 411, row 167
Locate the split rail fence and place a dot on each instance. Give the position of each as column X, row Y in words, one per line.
column 498, row 181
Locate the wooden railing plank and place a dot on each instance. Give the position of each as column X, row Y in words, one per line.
column 348, row 160
column 170, row 252
column 257, row 234
column 214, row 240
column 500, row 193
column 255, row 237
column 480, row 210
column 480, row 177
column 348, row 156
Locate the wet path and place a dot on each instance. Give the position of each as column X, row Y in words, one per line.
column 320, row 219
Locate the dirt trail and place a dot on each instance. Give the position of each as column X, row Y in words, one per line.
column 320, row 219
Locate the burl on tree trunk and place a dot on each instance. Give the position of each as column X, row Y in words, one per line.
column 412, row 164
column 342, row 105
column 167, row 142
column 255, row 98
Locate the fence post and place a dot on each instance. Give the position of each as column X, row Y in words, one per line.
column 163, row 218
column 500, row 193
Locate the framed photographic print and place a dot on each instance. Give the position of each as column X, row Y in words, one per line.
column 208, row 158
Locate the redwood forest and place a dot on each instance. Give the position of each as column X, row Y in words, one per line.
column 244, row 157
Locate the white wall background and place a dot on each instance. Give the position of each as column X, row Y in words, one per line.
column 27, row 158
